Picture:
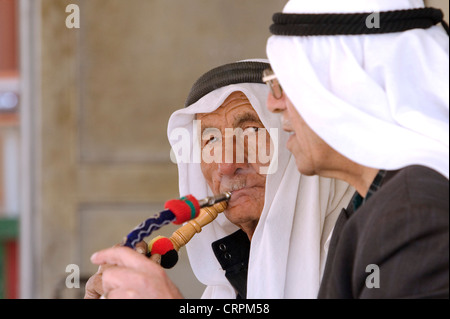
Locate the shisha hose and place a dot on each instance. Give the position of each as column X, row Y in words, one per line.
column 198, row 212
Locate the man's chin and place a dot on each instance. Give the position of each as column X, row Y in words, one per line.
column 243, row 208
column 245, row 198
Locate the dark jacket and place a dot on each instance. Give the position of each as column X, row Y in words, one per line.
column 396, row 245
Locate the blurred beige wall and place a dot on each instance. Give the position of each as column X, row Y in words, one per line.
column 102, row 99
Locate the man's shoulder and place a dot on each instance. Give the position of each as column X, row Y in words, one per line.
column 417, row 176
column 412, row 194
column 414, row 186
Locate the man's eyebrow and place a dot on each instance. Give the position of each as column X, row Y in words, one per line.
column 238, row 121
column 246, row 117
column 206, row 126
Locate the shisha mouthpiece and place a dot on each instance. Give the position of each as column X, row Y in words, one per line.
column 211, row 200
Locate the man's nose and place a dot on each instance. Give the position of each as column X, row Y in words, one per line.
column 234, row 158
column 228, row 168
column 276, row 105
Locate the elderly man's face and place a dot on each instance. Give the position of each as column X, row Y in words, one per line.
column 242, row 177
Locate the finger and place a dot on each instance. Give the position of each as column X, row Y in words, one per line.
column 94, row 286
column 121, row 294
column 136, row 284
column 122, row 278
column 156, row 258
column 102, row 268
column 141, row 247
column 90, row 291
column 122, row 256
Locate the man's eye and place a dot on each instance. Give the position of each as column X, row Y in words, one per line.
column 211, row 139
column 211, row 135
column 252, row 129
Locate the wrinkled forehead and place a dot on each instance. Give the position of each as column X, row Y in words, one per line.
column 232, row 112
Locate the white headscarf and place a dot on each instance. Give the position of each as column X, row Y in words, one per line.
column 288, row 248
column 380, row 100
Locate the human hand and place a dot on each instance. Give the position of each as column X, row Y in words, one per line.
column 94, row 285
column 132, row 275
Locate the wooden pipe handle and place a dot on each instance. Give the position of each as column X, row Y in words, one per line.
column 185, row 233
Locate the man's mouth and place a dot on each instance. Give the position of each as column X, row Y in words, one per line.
column 242, row 190
column 233, row 187
column 287, row 127
column 237, row 189
column 237, row 194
